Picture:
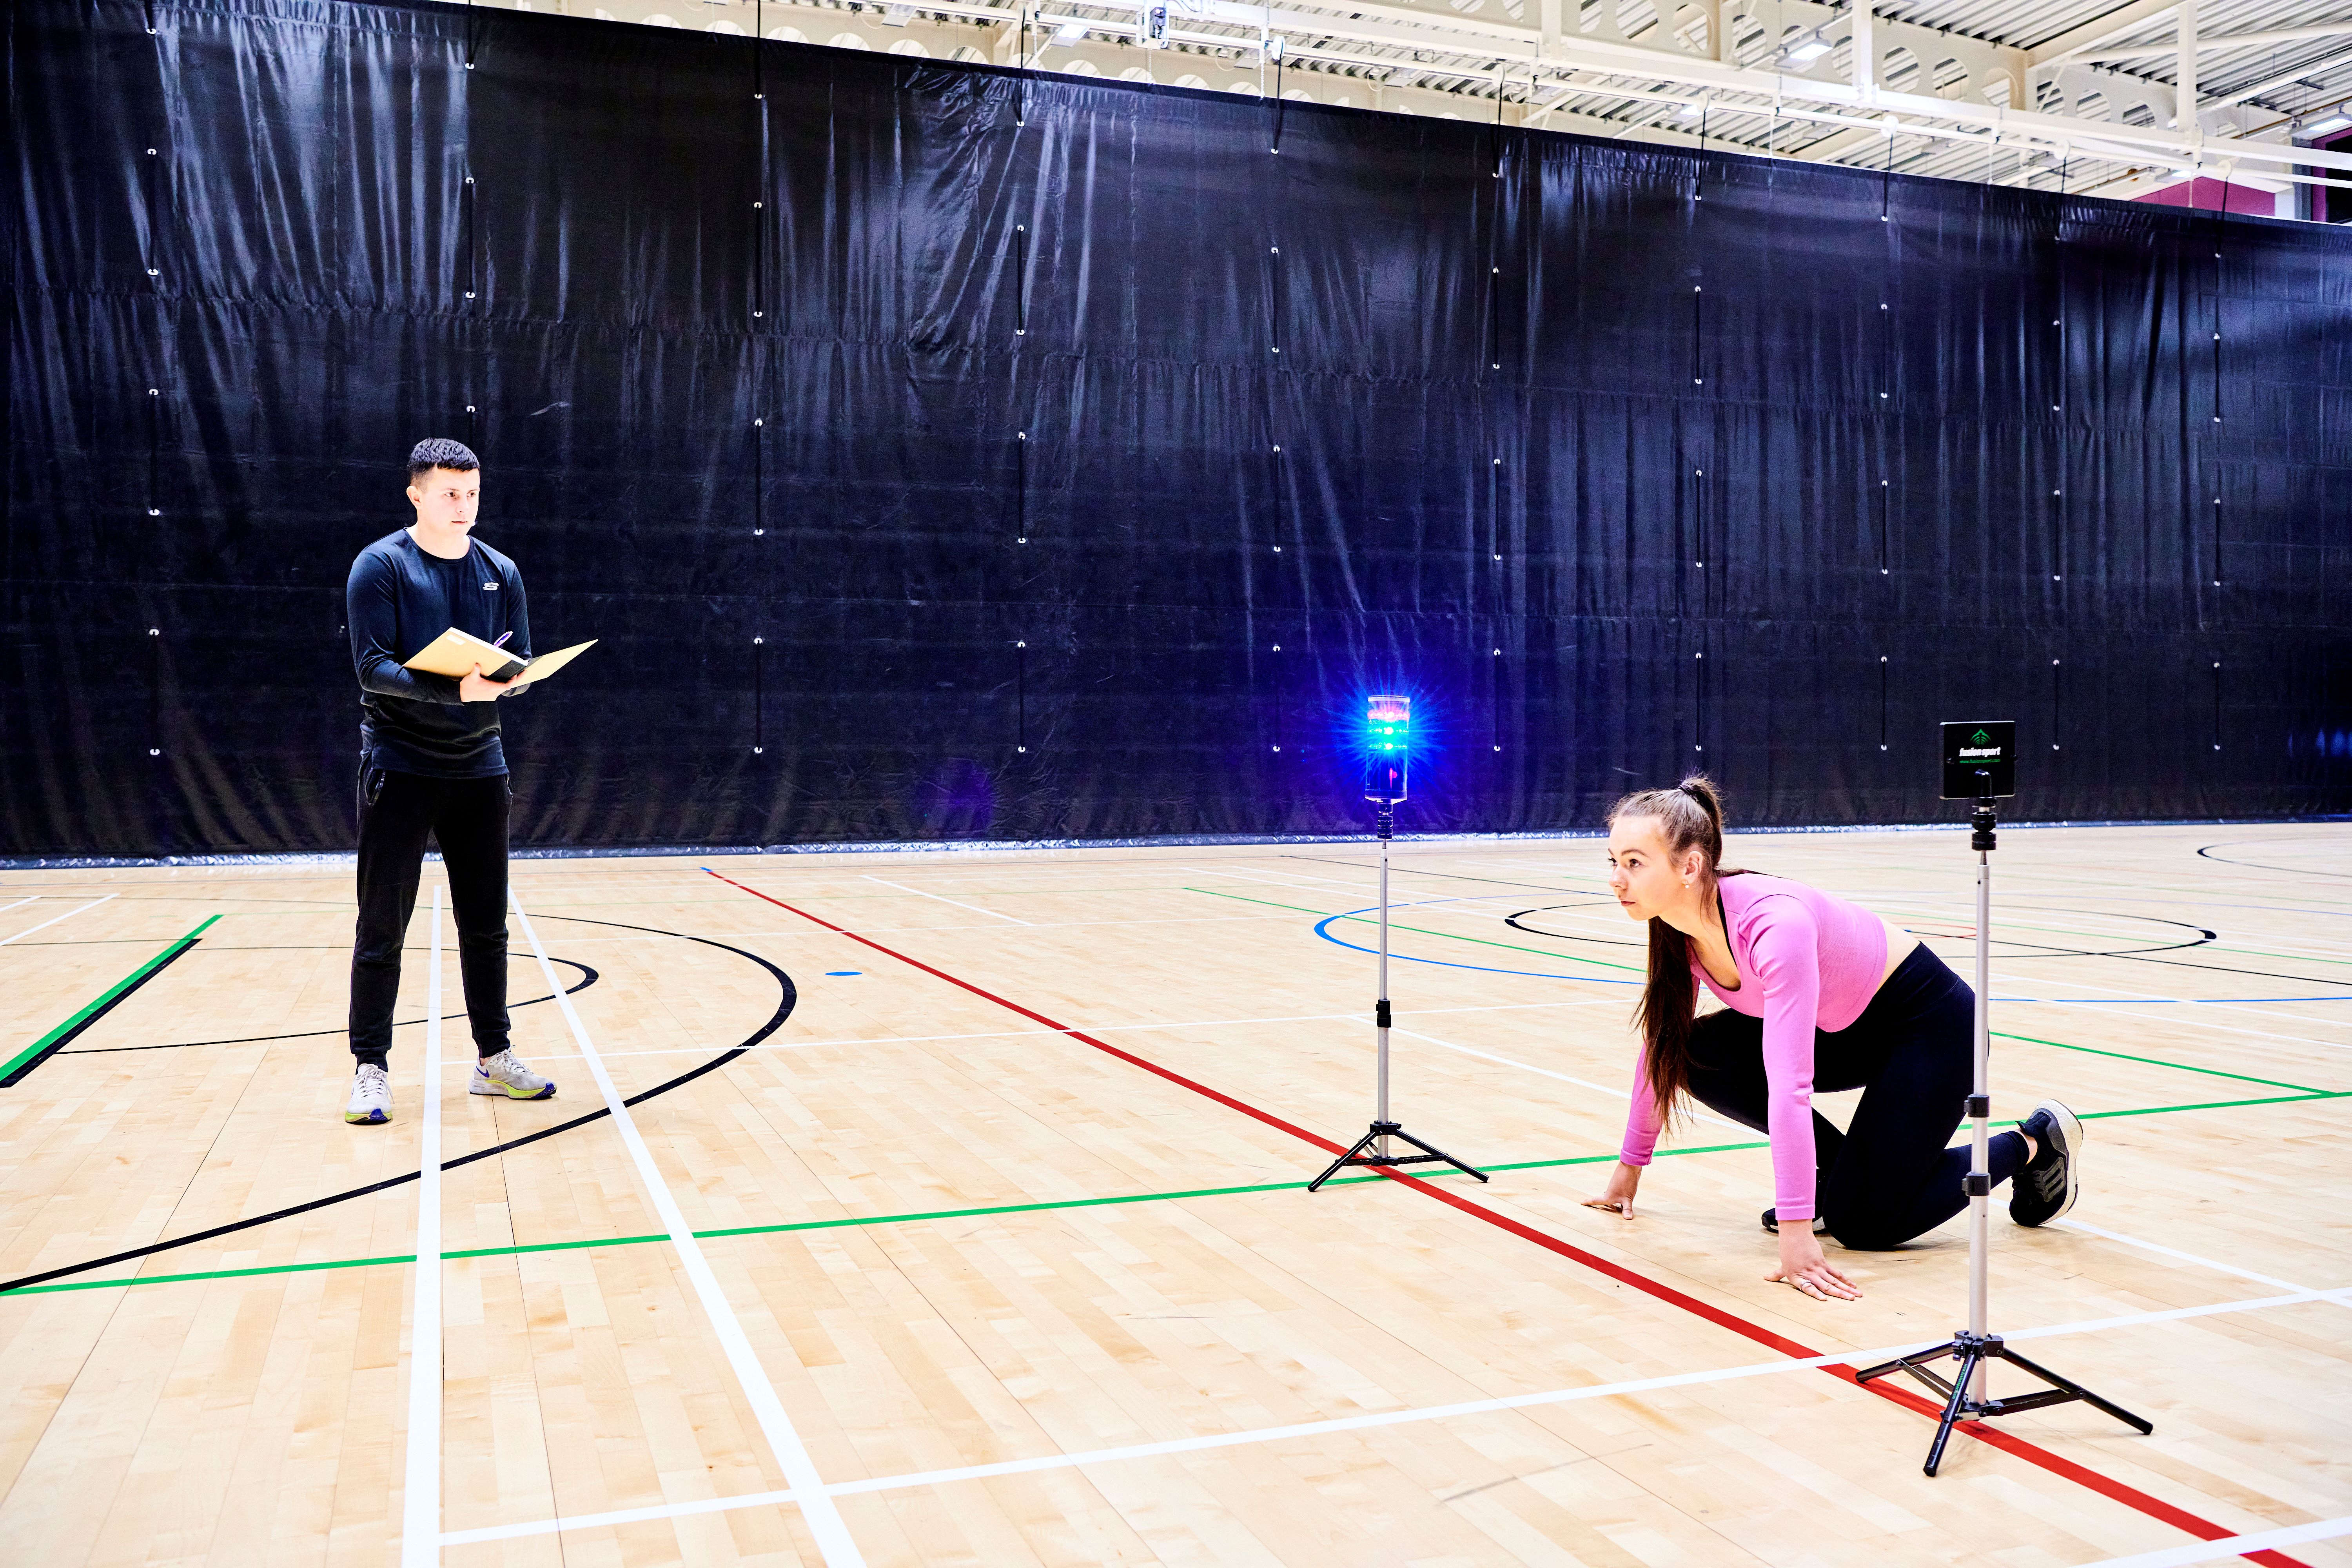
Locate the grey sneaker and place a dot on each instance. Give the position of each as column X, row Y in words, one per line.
column 502, row 1074
column 371, row 1096
column 2048, row 1186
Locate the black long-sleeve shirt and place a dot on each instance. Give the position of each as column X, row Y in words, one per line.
column 400, row 598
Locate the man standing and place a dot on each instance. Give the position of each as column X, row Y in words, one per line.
column 431, row 762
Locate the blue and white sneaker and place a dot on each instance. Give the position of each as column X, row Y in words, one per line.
column 371, row 1099
column 504, row 1073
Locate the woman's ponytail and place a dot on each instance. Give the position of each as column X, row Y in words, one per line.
column 1690, row 816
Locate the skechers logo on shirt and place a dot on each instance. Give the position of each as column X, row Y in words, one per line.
column 492, row 587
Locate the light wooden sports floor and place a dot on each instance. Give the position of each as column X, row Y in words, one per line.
column 948, row 1257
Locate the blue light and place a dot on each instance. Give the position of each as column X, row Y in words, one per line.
column 1388, row 745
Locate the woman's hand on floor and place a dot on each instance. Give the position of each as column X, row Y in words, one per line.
column 1804, row 1266
column 1623, row 1181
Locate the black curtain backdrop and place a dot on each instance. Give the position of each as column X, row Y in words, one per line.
column 943, row 453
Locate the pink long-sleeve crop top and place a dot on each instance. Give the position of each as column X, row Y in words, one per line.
column 1806, row 961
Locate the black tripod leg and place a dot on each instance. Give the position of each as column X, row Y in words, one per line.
column 1436, row 1153
column 1969, row 1359
column 1342, row 1163
column 2078, row 1390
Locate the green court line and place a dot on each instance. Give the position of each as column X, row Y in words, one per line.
column 854, row 1222
column 2158, row 1062
column 1419, row 931
column 930, row 1216
column 2218, row 1104
column 33, row 1051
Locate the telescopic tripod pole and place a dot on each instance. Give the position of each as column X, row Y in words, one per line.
column 1976, row 1347
column 1373, row 1148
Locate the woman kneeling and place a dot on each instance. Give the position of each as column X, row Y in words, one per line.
column 1822, row 994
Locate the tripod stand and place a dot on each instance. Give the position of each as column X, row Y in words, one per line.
column 1377, row 1141
column 1976, row 1347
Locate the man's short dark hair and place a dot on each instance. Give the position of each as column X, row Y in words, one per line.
column 441, row 453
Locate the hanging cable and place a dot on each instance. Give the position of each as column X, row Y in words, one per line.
column 154, row 209
column 1698, row 526
column 1021, row 696
column 1502, row 89
column 1273, row 47
column 155, row 691
column 1885, row 527
column 759, row 696
column 1886, row 182
column 155, row 451
column 1021, row 487
column 1495, row 516
column 1699, row 377
column 758, row 478
column 1273, row 300
column 1698, row 702
column 2221, row 228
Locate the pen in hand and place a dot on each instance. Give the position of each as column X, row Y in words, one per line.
column 502, row 639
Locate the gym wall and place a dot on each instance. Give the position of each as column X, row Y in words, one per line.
column 943, row 453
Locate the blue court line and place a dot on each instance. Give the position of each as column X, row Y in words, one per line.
column 1322, row 928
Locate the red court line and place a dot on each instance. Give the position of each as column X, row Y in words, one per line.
column 2033, row 1453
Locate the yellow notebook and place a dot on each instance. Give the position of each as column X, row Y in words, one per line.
column 455, row 654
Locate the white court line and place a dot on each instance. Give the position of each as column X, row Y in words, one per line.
column 2184, row 1257
column 1547, row 1072
column 957, row 902
column 20, row 903
column 2125, row 998
column 1355, row 1016
column 2232, row 1545
column 1341, row 1424
column 420, row 1514
column 823, row 1521
column 53, row 920
column 2183, row 1020
column 1301, row 880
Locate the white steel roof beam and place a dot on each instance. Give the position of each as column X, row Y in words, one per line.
column 2098, row 30
column 1477, row 46
column 2284, row 79
column 2207, row 44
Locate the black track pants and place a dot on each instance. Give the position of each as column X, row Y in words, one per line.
column 468, row 817
column 1889, row 1176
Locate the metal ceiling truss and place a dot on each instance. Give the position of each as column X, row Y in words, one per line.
column 1788, row 78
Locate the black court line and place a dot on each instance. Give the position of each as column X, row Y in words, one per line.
column 789, row 998
column 2207, row 851
column 590, row 977
column 2034, row 949
column 101, row 1010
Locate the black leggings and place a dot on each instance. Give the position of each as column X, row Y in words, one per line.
column 1888, row 1177
column 468, row 817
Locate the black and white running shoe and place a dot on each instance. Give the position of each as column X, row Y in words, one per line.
column 2048, row 1185
column 1772, row 1222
